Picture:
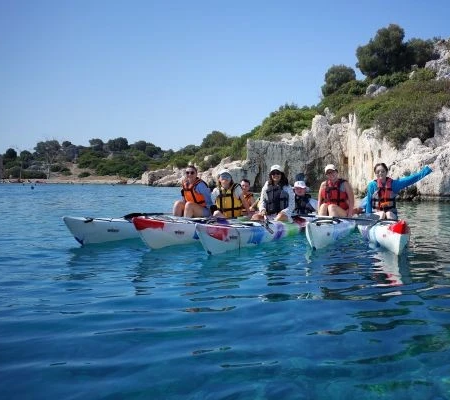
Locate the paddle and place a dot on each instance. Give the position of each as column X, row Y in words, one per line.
column 266, row 225
column 132, row 215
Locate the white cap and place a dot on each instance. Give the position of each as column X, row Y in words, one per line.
column 275, row 167
column 301, row 184
column 330, row 167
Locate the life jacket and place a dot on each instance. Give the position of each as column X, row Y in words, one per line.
column 276, row 199
column 336, row 194
column 189, row 193
column 249, row 197
column 229, row 205
column 302, row 205
column 384, row 198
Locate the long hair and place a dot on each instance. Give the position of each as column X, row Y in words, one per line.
column 283, row 180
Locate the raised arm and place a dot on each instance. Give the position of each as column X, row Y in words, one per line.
column 401, row 183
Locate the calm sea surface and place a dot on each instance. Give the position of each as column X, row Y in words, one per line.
column 277, row 322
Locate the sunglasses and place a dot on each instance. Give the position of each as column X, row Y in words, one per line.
column 329, row 172
column 190, row 172
column 380, row 171
column 275, row 173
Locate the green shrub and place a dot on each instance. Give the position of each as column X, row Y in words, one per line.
column 84, row 174
column 286, row 121
column 409, row 110
column 391, row 80
column 423, row 74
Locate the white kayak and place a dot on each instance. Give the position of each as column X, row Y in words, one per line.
column 324, row 231
column 163, row 231
column 87, row 230
column 219, row 238
column 391, row 235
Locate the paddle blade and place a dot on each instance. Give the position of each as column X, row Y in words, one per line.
column 367, row 219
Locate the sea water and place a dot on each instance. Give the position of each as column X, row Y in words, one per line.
column 280, row 321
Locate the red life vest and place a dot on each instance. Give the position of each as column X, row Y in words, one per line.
column 335, row 194
column 384, row 198
column 189, row 193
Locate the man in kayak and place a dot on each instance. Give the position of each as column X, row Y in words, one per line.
column 335, row 195
column 252, row 202
column 195, row 196
column 381, row 192
column 229, row 197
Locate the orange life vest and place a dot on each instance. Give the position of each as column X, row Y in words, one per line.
column 335, row 194
column 249, row 197
column 189, row 193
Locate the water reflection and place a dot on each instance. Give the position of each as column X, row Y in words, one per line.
column 390, row 270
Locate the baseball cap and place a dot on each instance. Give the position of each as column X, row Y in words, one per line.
column 301, row 184
column 330, row 167
column 276, row 167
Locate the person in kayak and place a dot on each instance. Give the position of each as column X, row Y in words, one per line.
column 251, row 201
column 277, row 197
column 304, row 203
column 195, row 196
column 382, row 191
column 228, row 197
column 335, row 195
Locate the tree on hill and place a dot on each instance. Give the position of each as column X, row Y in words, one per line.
column 215, row 138
column 118, row 144
column 48, row 152
column 10, row 154
column 337, row 76
column 96, row 144
column 387, row 53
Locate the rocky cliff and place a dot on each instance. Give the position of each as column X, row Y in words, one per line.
column 353, row 151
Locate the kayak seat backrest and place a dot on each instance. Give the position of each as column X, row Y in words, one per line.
column 400, row 227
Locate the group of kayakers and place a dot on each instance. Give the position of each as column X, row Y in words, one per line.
column 278, row 200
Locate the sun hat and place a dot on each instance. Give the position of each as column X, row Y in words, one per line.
column 330, row 167
column 301, row 184
column 225, row 173
column 275, row 167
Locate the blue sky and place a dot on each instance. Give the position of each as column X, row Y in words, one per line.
column 171, row 72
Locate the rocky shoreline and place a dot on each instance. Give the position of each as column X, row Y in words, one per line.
column 70, row 180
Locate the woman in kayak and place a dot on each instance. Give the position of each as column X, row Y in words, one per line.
column 335, row 195
column 228, row 197
column 195, row 196
column 381, row 192
column 277, row 197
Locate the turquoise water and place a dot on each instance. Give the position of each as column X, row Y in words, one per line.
column 119, row 321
